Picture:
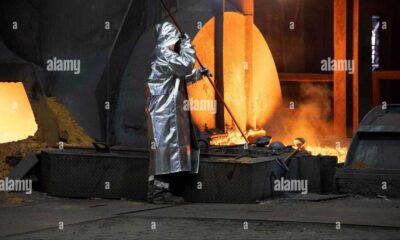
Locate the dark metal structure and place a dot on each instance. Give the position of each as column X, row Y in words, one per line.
column 372, row 164
column 376, row 144
column 85, row 173
column 226, row 175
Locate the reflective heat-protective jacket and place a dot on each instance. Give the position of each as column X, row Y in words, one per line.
column 173, row 143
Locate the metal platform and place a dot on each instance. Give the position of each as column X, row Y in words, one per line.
column 369, row 182
column 85, row 173
column 249, row 180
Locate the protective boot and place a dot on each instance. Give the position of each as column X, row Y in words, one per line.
column 159, row 193
column 167, row 198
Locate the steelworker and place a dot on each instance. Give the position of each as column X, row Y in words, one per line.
column 172, row 139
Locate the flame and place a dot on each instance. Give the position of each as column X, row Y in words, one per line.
column 254, row 103
column 311, row 119
column 17, row 121
column 234, row 137
column 340, row 153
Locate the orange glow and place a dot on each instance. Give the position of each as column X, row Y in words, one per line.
column 202, row 90
column 340, row 153
column 254, row 103
column 265, row 97
column 234, row 137
column 311, row 120
column 16, row 117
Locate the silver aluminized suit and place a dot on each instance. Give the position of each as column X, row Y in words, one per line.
column 173, row 143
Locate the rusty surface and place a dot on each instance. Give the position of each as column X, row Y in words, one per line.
column 305, row 77
column 339, row 77
column 377, row 76
column 219, row 8
column 355, row 58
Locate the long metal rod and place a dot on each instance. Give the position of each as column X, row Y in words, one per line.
column 209, row 78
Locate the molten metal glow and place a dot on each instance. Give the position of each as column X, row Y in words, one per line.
column 340, row 153
column 254, row 103
column 310, row 119
column 234, row 137
column 16, row 117
column 262, row 95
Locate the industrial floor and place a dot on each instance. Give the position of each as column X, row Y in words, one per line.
column 39, row 216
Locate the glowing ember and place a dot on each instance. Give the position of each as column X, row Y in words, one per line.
column 234, row 137
column 340, row 153
column 254, row 103
column 16, row 117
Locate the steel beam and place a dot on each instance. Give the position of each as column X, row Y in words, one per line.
column 339, row 77
column 355, row 58
column 219, row 8
column 248, row 11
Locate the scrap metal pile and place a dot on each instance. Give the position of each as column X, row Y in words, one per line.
column 260, row 148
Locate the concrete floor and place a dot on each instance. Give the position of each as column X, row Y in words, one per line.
column 39, row 217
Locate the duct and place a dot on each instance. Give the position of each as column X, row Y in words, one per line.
column 376, row 144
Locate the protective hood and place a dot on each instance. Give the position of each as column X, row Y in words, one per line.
column 167, row 34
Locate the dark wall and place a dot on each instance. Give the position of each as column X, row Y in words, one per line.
column 298, row 50
column 389, row 39
column 25, row 41
column 76, row 30
column 66, row 30
column 389, row 49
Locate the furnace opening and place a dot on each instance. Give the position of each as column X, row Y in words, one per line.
column 254, row 100
column 17, row 121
